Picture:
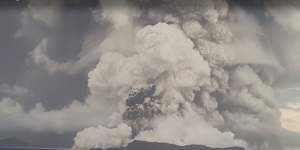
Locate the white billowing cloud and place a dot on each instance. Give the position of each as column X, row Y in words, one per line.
column 165, row 57
column 115, row 74
column 160, row 49
column 209, row 69
column 102, row 137
column 13, row 116
column 206, row 65
column 167, row 44
column 190, row 129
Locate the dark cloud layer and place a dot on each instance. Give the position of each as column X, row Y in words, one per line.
column 53, row 91
column 65, row 42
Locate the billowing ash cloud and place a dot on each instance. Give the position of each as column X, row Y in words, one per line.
column 208, row 72
column 181, row 72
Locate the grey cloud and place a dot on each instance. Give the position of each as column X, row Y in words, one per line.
column 224, row 79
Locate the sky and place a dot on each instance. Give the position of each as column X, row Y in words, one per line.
column 68, row 65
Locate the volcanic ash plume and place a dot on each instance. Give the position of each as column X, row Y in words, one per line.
column 181, row 79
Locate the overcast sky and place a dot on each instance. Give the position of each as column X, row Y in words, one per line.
column 29, row 79
column 30, row 84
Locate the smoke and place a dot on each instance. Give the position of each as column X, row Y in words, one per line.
column 15, row 117
column 193, row 130
column 181, row 72
column 101, row 137
column 201, row 76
